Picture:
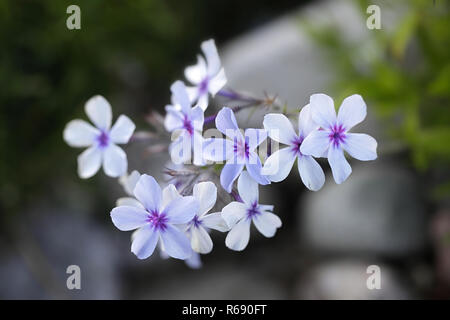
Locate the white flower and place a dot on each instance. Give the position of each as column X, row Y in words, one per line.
column 156, row 219
column 334, row 136
column 206, row 194
column 207, row 77
column 279, row 164
column 187, row 125
column 239, row 215
column 129, row 183
column 101, row 139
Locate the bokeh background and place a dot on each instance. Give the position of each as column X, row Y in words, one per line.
column 393, row 212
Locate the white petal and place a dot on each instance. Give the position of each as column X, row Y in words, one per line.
column 217, row 83
column 215, row 221
column 198, row 140
column 267, row 223
column 238, row 237
column 339, row 165
column 181, row 210
column 206, row 195
column 79, row 133
column 173, row 119
column 129, row 202
column 180, row 150
column 248, row 188
column 322, row 110
column 254, row 137
column 217, row 149
column 233, row 212
column 194, row 261
column 212, row 56
column 254, row 167
column 279, row 164
column 316, row 143
column 305, row 122
column 311, row 173
column 89, row 162
column 203, row 101
column 127, row 218
column 122, row 130
column 114, row 161
column 353, row 110
column 148, row 192
column 226, row 121
column 192, row 94
column 169, row 194
column 180, row 95
column 196, row 73
column 98, row 110
column 197, row 117
column 279, row 128
column 229, row 174
column 175, row 242
column 144, row 243
column 200, row 240
column 360, row 146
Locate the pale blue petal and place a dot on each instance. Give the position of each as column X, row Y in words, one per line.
column 248, row 189
column 339, row 166
column 360, row 146
column 144, row 242
column 229, row 174
column 267, row 223
column 175, row 243
column 311, row 173
column 322, row 110
column 148, row 192
column 128, row 218
column 353, row 110
column 181, row 210
column 278, row 166
column 217, row 149
column 254, row 137
column 316, row 143
column 238, row 237
column 254, row 167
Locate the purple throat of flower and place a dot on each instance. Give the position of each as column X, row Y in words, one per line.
column 195, row 222
column 157, row 220
column 103, row 139
column 187, row 125
column 241, row 148
column 337, row 135
column 296, row 143
column 203, row 86
column 253, row 211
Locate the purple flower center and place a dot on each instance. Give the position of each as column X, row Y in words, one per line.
column 187, row 125
column 241, row 148
column 296, row 143
column 337, row 135
column 103, row 139
column 196, row 222
column 157, row 220
column 253, row 210
column 203, row 86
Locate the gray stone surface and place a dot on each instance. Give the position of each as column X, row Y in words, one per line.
column 347, row 279
column 378, row 210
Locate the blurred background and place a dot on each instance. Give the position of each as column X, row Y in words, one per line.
column 393, row 212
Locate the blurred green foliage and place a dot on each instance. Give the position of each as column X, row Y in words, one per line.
column 403, row 72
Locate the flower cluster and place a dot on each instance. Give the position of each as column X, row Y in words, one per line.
column 178, row 216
